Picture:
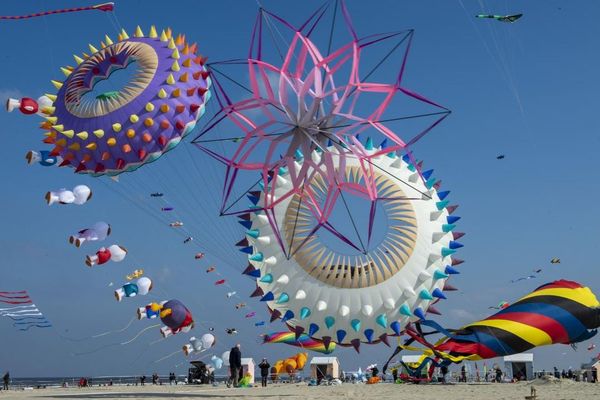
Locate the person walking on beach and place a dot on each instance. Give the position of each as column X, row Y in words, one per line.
column 264, row 371
column 235, row 364
column 6, row 380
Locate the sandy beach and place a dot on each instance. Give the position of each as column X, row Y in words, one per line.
column 566, row 390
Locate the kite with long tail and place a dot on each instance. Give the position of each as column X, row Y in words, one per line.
column 98, row 7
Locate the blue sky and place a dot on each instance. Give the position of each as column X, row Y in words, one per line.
column 526, row 90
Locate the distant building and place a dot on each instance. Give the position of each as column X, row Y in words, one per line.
column 322, row 367
column 248, row 367
column 591, row 370
column 519, row 366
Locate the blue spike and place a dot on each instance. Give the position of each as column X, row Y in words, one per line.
column 452, row 219
column 247, row 250
column 444, row 194
column 304, row 313
column 268, row 297
column 437, row 292
column 283, row 298
column 253, row 199
column 256, row 257
column 451, row 270
column 341, row 334
column 383, row 144
column 427, row 174
column 439, row 274
column 355, row 323
column 411, row 168
column 255, row 273
column 441, row 204
column 447, row 252
column 329, row 321
column 448, row 227
column 312, row 329
column 396, row 327
column 425, row 295
column 419, row 313
column 268, row 278
column 392, row 154
column 406, row 158
column 369, row 144
column 245, row 224
column 358, row 137
column 369, row 334
column 282, row 171
column 329, row 143
column 430, row 182
column 455, row 245
column 381, row 320
column 298, row 154
column 254, row 233
column 289, row 314
column 405, row 310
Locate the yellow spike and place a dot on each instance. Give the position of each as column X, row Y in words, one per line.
column 108, row 40
column 120, row 37
column 134, row 118
column 171, row 44
column 163, row 36
column 75, row 146
column 124, row 34
column 52, row 97
column 61, row 142
column 111, row 142
column 92, row 48
column 184, row 77
column 187, row 62
column 153, row 33
column 69, row 133
column 102, row 44
column 169, row 33
column 170, row 79
column 138, row 32
column 57, row 84
column 48, row 110
column 175, row 67
column 162, row 94
column 83, row 135
column 116, row 127
column 52, row 120
column 58, row 128
column 91, row 146
column 130, row 133
column 86, row 55
column 149, row 107
column 148, row 122
column 78, row 59
column 99, row 133
column 50, row 134
column 175, row 54
column 176, row 92
column 65, row 71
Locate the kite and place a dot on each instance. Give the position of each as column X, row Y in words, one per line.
column 525, row 278
column 43, row 158
column 251, row 314
column 303, row 341
column 141, row 287
column 210, row 269
column 113, row 253
column 98, row 231
column 216, row 362
column 231, row 331
column 176, row 224
column 166, row 209
column 290, row 365
column 591, row 347
column 156, row 194
column 119, row 131
column 135, row 274
column 22, row 311
column 230, row 294
column 501, row 306
column 79, row 195
column 188, row 239
column 555, row 261
column 500, row 157
column 199, row 345
column 176, row 317
column 220, row 282
column 199, row 256
column 260, row 323
column 98, row 7
column 502, row 18
column 240, row 305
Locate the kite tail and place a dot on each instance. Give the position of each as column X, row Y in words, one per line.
column 100, row 334
column 118, row 344
column 100, row 7
column 167, row 356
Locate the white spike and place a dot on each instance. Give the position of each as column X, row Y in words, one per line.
column 437, row 236
column 283, row 279
column 424, row 275
column 300, row 295
column 397, row 163
column 321, row 305
column 389, row 303
column 409, row 290
column 316, row 157
column 271, row 260
column 367, row 310
column 433, row 258
column 413, row 177
column 260, row 220
column 280, row 181
column 266, row 240
column 344, row 311
column 434, row 215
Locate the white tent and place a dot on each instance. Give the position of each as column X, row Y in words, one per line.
column 321, row 367
column 248, row 367
column 519, row 366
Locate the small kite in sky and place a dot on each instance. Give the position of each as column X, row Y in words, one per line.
column 502, row 18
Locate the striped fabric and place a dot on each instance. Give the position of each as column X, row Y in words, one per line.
column 22, row 311
column 558, row 312
column 99, row 7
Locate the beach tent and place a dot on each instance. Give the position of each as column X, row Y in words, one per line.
column 321, row 367
column 248, row 367
column 591, row 370
column 519, row 366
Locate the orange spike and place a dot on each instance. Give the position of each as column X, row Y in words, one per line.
column 56, row 151
column 186, row 49
column 196, row 75
column 46, row 125
column 61, row 142
column 180, row 108
column 184, row 77
column 164, row 108
column 105, row 156
column 49, row 140
column 190, row 91
column 176, row 92
column 187, row 62
column 86, row 157
column 69, row 156
column 194, row 48
column 198, row 60
column 169, row 33
column 126, row 148
column 180, row 40
column 146, row 137
column 164, row 124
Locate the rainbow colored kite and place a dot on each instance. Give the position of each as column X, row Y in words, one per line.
column 304, row 341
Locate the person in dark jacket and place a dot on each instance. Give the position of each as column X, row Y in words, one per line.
column 235, row 364
column 264, row 371
column 6, row 380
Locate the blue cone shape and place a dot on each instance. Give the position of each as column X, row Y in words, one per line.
column 253, row 233
column 268, row 278
column 405, row 310
column 253, row 199
column 438, row 293
column 439, row 274
column 282, row 171
column 369, row 334
column 289, row 314
column 357, row 137
column 451, row 271
column 312, row 329
column 425, row 295
column 395, row 327
column 304, row 312
column 406, row 158
column 411, row 168
column 283, row 298
column 247, row 250
column 381, row 320
column 355, row 323
column 448, row 227
column 245, row 224
column 329, row 143
column 429, row 183
column 329, row 321
column 383, row 144
column 452, row 219
column 441, row 204
column 446, row 252
column 268, row 297
column 419, row 313
column 255, row 273
column 298, row 154
column 256, row 257
column 341, row 334
column 369, row 144
column 427, row 174
column 455, row 245
column 444, row 194
column 391, row 154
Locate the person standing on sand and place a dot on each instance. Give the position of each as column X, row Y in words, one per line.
column 235, row 364
column 6, row 380
column 264, row 371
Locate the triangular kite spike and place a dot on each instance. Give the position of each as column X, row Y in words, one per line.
column 249, row 269
column 124, row 34
column 457, row 261
column 448, row 287
column 384, row 339
column 298, row 330
column 326, row 342
column 138, row 32
column 258, row 292
column 275, row 315
column 356, row 344
column 243, row 243
column 108, row 40
column 457, row 235
column 255, row 193
column 433, row 310
column 153, row 34
column 451, row 209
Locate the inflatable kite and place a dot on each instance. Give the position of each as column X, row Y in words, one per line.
column 172, row 313
column 502, row 18
column 199, row 345
column 303, row 341
column 156, row 194
column 79, row 195
column 98, row 231
column 141, row 287
column 290, row 365
column 119, row 131
column 113, row 253
column 216, row 362
column 43, row 158
column 176, row 224
column 135, row 274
